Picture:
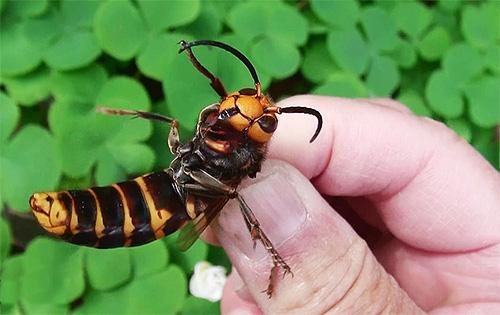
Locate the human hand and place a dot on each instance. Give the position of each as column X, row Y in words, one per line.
column 426, row 204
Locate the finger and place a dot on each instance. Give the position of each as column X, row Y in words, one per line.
column 430, row 187
column 232, row 303
column 333, row 268
column 209, row 237
column 387, row 102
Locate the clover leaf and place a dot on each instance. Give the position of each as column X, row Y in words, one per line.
column 443, row 95
column 412, row 18
column 349, row 50
column 107, row 269
column 461, row 127
column 383, row 76
column 148, row 259
column 276, row 55
column 199, row 306
column 318, row 66
column 122, row 30
column 450, row 6
column 29, row 89
column 415, row 20
column 462, row 62
column 159, row 53
column 85, row 136
column 37, row 308
column 484, row 142
column 342, row 85
column 10, row 286
column 19, row 56
column 186, row 259
column 254, row 19
column 275, row 29
column 433, row 44
column 339, row 13
column 208, row 24
column 168, row 286
column 484, row 101
column 480, row 24
column 79, row 13
column 25, row 9
column 355, row 55
column 63, row 55
column 404, row 54
column 492, row 59
column 161, row 15
column 380, row 29
column 22, row 175
column 63, row 41
column 53, row 271
column 414, row 101
column 119, row 28
column 81, row 85
column 9, row 118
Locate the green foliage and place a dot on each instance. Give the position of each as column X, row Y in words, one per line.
column 62, row 59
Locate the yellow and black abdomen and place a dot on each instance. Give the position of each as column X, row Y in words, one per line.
column 129, row 213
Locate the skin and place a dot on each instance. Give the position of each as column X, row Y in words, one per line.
column 385, row 212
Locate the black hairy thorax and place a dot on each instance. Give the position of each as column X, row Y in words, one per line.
column 235, row 156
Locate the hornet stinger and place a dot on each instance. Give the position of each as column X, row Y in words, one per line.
column 229, row 144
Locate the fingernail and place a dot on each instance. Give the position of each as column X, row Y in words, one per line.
column 276, row 205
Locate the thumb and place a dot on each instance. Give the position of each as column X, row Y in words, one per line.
column 334, row 270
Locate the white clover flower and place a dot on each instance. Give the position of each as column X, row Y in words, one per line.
column 207, row 281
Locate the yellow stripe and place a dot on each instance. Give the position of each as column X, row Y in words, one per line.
column 73, row 225
column 158, row 216
column 128, row 226
column 99, row 221
column 190, row 206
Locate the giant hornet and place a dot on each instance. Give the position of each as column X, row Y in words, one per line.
column 229, row 144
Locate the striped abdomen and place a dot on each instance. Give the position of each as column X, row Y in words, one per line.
column 125, row 214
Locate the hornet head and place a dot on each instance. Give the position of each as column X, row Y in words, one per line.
column 247, row 110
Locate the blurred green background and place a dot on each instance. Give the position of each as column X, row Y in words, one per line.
column 61, row 59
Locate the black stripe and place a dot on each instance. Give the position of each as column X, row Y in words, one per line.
column 139, row 213
column 161, row 188
column 86, row 210
column 175, row 222
column 113, row 238
column 142, row 236
column 112, row 214
column 66, row 199
column 135, row 201
column 84, row 238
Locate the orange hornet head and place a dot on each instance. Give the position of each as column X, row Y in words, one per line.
column 50, row 212
column 249, row 113
column 247, row 110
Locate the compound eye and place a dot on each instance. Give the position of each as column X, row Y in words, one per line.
column 262, row 130
column 268, row 123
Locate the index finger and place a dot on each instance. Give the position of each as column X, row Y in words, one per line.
column 431, row 188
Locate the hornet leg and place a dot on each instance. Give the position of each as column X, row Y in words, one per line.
column 212, row 184
column 173, row 136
